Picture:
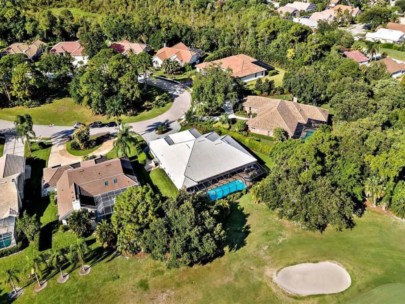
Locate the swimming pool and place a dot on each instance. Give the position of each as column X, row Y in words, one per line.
column 224, row 190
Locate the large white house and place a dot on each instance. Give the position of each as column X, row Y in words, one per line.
column 243, row 67
column 12, row 179
column 386, row 36
column 194, row 162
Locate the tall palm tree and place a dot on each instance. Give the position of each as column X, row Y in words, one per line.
column 56, row 260
column 77, row 253
column 125, row 138
column 372, row 49
column 12, row 278
column 24, row 128
column 34, row 266
column 374, row 189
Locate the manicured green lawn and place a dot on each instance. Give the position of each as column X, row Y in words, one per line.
column 163, row 183
column 278, row 79
column 81, row 152
column 260, row 244
column 2, row 139
column 388, row 293
column 65, row 112
column 399, row 55
column 39, row 150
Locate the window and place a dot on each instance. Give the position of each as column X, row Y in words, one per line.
column 115, row 180
column 106, row 183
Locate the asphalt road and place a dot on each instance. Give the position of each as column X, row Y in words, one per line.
column 182, row 102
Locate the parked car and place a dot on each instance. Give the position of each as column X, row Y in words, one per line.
column 96, row 124
column 77, row 125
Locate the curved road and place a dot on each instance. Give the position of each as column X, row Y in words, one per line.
column 182, row 102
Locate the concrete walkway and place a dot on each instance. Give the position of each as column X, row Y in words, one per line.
column 60, row 156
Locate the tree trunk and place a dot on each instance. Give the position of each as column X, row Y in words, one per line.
column 6, row 91
column 36, row 276
column 61, row 273
column 13, row 285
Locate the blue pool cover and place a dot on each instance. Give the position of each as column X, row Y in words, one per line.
column 224, row 190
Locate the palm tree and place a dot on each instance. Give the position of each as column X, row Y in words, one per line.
column 125, row 139
column 34, row 265
column 56, row 260
column 77, row 253
column 24, row 128
column 12, row 278
column 371, row 49
column 374, row 189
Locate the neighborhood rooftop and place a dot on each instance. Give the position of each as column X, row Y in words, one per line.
column 357, row 56
column 124, row 46
column 73, row 48
column 180, row 50
column 190, row 158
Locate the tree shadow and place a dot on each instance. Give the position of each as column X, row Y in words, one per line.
column 236, row 227
column 100, row 254
column 4, row 298
column 34, row 203
column 45, row 235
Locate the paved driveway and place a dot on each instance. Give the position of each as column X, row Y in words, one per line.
column 13, row 145
column 182, row 102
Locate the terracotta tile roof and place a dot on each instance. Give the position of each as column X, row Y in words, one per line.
column 354, row 11
column 357, row 56
column 326, row 15
column 30, row 50
column 241, row 65
column 276, row 113
column 74, row 48
column 396, row 27
column 393, row 66
column 92, row 180
column 124, row 46
column 180, row 50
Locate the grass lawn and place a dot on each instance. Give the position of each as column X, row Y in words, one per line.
column 259, row 245
column 278, row 79
column 399, row 55
column 2, row 140
column 163, row 183
column 82, row 152
column 65, row 112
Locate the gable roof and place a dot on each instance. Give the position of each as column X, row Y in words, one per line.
column 277, row 113
column 393, row 66
column 325, row 15
column 30, row 50
column 357, row 56
column 92, row 179
column 11, row 164
column 385, row 34
column 9, row 198
column 182, row 52
column 74, row 48
column 396, row 27
column 190, row 158
column 300, row 6
column 241, row 65
column 286, row 9
column 354, row 11
column 124, row 46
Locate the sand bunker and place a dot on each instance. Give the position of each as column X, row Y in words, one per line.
column 313, row 278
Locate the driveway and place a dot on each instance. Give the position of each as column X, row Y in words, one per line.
column 13, row 145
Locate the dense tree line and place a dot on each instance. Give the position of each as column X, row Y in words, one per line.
column 181, row 231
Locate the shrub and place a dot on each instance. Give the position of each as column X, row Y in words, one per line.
column 142, row 158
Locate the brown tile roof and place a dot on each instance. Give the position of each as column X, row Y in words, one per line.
column 357, row 56
column 74, row 48
column 241, row 65
column 30, row 50
column 180, row 50
column 276, row 113
column 124, row 46
column 354, row 11
column 396, row 27
column 393, row 66
column 92, row 180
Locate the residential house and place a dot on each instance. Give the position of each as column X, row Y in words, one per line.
column 396, row 26
column 296, row 7
column 33, row 51
column 125, row 47
column 352, row 11
column 326, row 15
column 307, row 22
column 179, row 52
column 295, row 118
column 243, row 67
column 74, row 49
column 13, row 174
column 386, row 36
column 357, row 56
column 395, row 68
column 287, row 11
column 196, row 162
column 92, row 184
